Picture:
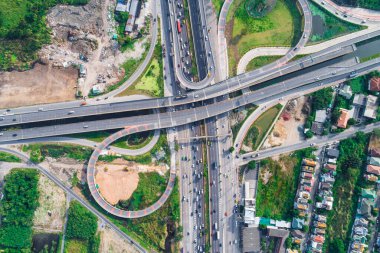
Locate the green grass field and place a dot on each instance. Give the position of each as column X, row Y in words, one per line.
column 276, row 196
column 260, row 61
column 333, row 26
column 77, row 246
column 281, row 27
column 6, row 157
column 260, row 127
column 151, row 83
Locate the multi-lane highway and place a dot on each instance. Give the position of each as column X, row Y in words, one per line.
column 181, row 44
column 174, row 118
column 74, row 109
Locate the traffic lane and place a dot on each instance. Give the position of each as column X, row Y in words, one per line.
column 98, row 110
column 165, row 120
column 231, row 84
column 207, row 91
column 184, row 151
column 169, row 73
column 230, row 185
column 215, row 189
column 197, row 31
column 184, row 59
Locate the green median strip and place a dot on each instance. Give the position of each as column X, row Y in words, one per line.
column 261, row 126
column 6, row 157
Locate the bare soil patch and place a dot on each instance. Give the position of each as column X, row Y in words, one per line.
column 80, row 35
column 374, row 142
column 49, row 216
column 42, row 84
column 119, row 179
column 287, row 129
column 110, row 242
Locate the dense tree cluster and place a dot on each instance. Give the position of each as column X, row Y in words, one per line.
column 322, row 98
column 81, row 223
column 17, row 208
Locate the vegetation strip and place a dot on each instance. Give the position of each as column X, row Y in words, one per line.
column 6, row 157
column 261, row 126
column 350, row 167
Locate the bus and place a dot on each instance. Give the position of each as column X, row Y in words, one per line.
column 179, row 26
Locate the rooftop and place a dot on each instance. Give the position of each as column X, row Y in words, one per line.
column 251, row 240
column 343, row 118
column 359, row 100
column 320, row 116
column 332, row 152
column 373, row 169
column 374, row 84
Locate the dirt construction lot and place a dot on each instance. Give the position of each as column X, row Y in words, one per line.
column 42, row 84
column 287, row 131
column 119, row 179
column 50, row 214
column 110, row 242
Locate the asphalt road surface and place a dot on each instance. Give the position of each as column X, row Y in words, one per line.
column 170, row 119
column 74, row 109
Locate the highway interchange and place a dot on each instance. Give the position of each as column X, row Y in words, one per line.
column 198, row 113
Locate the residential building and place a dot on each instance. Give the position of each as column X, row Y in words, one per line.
column 309, row 162
column 361, row 222
column 326, row 178
column 298, row 223
column 373, row 161
column 331, row 167
column 374, row 152
column 132, row 16
column 368, row 194
column 374, row 84
column 359, row 100
column 317, row 128
column 346, row 92
column 251, row 240
column 343, row 118
column 320, row 116
column 371, row 107
column 371, row 177
column 318, row 238
column 121, row 7
column 281, row 235
column 365, row 206
column 332, row 152
column 82, row 70
column 373, row 169
column 96, row 89
column 297, row 234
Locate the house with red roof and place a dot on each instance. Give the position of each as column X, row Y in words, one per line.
column 374, row 84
